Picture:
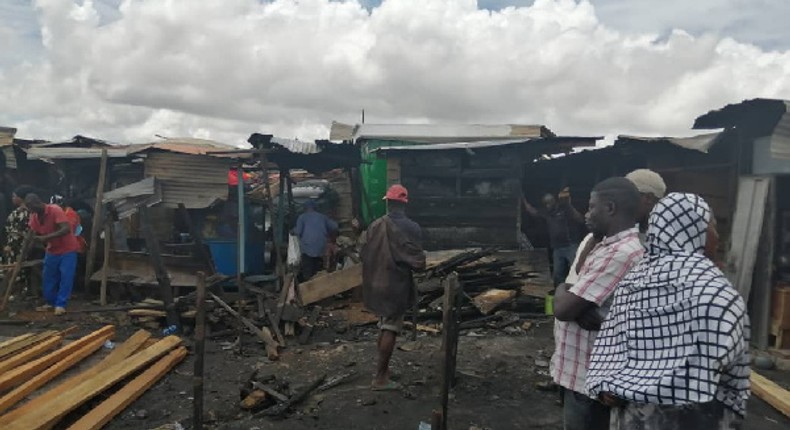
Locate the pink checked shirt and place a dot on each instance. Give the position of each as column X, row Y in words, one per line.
column 606, row 265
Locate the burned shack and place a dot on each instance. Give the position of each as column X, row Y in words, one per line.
column 465, row 182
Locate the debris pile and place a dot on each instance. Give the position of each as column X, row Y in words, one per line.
column 32, row 361
column 499, row 288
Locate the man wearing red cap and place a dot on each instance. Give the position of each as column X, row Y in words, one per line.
column 392, row 251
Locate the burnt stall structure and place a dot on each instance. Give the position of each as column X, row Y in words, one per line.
column 468, row 194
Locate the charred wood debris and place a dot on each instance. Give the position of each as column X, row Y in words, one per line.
column 271, row 315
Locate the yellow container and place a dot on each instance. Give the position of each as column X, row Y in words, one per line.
column 549, row 305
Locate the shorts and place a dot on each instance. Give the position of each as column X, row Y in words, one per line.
column 391, row 324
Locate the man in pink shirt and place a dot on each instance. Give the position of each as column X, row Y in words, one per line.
column 581, row 307
column 52, row 227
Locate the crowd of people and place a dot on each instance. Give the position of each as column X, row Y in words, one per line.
column 649, row 334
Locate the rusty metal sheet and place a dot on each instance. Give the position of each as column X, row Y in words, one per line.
column 197, row 181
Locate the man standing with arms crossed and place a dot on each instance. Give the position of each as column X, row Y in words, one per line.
column 391, row 253
column 580, row 308
column 52, row 227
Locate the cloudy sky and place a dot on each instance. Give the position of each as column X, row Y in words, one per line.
column 126, row 70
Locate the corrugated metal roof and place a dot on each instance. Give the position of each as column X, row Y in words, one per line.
column 50, row 153
column 339, row 131
column 571, row 141
column 197, row 181
column 193, row 146
column 127, row 199
column 440, row 133
column 754, row 118
column 701, row 143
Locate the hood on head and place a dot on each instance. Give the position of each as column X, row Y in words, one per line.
column 678, row 224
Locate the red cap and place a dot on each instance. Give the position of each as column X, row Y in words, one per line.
column 397, row 193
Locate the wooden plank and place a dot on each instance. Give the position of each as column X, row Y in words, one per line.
column 137, row 313
column 325, row 286
column 14, row 340
column 759, row 305
column 98, row 417
column 52, row 411
column 772, row 393
column 14, row 396
column 747, row 229
column 25, row 356
column 97, row 219
column 21, row 374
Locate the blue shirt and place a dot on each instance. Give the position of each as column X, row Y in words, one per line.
column 312, row 228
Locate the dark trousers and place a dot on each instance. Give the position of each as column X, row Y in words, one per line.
column 310, row 266
column 562, row 260
column 580, row 412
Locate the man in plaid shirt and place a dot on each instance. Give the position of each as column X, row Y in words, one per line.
column 580, row 308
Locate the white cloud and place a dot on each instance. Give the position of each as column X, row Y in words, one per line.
column 226, row 68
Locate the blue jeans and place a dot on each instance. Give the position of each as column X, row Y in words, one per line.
column 563, row 259
column 59, row 271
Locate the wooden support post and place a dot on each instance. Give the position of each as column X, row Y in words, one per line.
column 200, row 350
column 98, row 216
column 106, row 262
column 11, row 280
column 162, row 276
column 241, row 237
column 449, row 345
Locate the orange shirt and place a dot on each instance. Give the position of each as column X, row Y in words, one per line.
column 54, row 215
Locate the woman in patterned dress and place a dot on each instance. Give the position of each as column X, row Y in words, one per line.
column 15, row 228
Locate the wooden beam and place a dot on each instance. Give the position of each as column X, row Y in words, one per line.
column 25, row 356
column 200, row 352
column 97, row 218
column 14, row 340
column 53, row 410
column 115, row 404
column 772, row 393
column 327, row 285
column 21, row 374
column 14, row 396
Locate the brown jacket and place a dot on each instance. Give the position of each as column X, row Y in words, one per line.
column 389, row 256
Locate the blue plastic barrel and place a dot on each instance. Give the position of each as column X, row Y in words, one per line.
column 225, row 254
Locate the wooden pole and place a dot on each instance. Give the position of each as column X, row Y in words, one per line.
column 106, row 266
column 27, row 243
column 159, row 267
column 200, row 348
column 449, row 345
column 241, row 236
column 97, row 219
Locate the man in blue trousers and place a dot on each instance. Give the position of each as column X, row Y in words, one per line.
column 52, row 227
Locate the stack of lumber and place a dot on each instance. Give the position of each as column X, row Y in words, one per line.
column 31, row 363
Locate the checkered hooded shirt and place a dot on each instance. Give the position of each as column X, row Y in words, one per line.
column 678, row 331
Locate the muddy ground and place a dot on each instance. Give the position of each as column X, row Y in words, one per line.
column 498, row 373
